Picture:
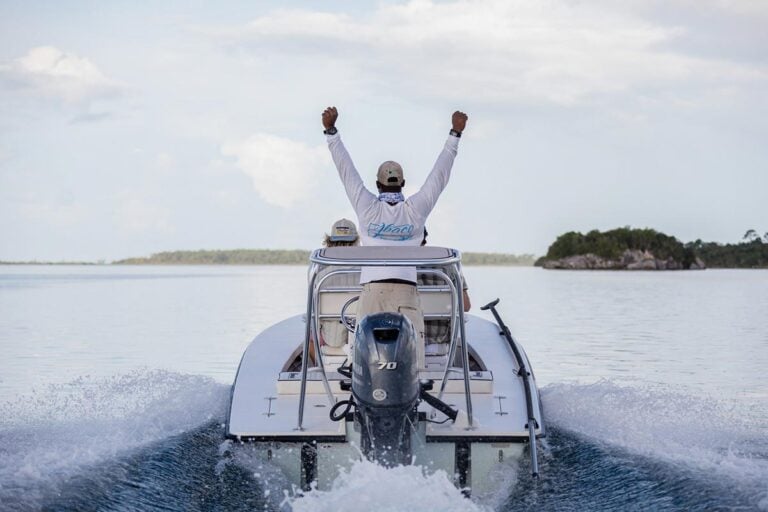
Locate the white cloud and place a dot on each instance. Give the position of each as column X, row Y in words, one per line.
column 283, row 171
column 165, row 162
column 138, row 215
column 443, row 220
column 227, row 198
column 5, row 154
column 555, row 51
column 57, row 212
column 53, row 72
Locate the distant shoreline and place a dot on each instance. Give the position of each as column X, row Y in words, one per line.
column 266, row 257
column 61, row 263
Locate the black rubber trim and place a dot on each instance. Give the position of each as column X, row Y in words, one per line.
column 463, row 466
column 480, row 439
column 289, row 439
column 343, row 439
column 308, row 465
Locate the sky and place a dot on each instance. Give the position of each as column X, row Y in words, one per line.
column 129, row 128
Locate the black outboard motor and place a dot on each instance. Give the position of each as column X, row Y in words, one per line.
column 385, row 386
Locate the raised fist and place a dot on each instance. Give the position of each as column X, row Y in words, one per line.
column 459, row 121
column 329, row 117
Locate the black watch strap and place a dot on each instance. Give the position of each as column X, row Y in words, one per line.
column 454, row 133
column 330, row 131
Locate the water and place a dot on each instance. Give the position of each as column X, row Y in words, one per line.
column 114, row 384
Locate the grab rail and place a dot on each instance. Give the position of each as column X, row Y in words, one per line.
column 311, row 334
column 525, row 375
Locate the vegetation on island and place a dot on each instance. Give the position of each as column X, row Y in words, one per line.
column 492, row 258
column 291, row 257
column 223, row 257
column 752, row 252
column 612, row 244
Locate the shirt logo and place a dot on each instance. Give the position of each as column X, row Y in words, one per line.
column 392, row 232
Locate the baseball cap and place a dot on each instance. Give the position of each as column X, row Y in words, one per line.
column 390, row 173
column 343, row 230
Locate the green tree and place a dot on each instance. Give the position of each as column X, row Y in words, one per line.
column 750, row 235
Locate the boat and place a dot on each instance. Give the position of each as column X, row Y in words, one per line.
column 312, row 409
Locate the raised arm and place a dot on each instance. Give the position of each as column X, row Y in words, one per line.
column 425, row 199
column 358, row 195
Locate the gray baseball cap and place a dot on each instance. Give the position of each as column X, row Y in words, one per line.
column 390, row 174
column 343, row 230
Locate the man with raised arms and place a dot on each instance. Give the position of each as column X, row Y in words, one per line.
column 390, row 219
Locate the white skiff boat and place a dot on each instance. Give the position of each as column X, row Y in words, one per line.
column 472, row 405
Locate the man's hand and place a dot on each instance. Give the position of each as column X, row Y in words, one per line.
column 330, row 115
column 459, row 121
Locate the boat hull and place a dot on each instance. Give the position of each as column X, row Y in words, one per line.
column 264, row 405
column 474, row 467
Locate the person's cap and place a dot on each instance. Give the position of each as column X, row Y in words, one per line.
column 390, row 174
column 343, row 230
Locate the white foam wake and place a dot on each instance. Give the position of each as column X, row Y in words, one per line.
column 369, row 486
column 721, row 438
column 48, row 434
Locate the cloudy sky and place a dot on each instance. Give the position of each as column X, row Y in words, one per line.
column 128, row 128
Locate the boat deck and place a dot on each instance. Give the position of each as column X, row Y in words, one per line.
column 498, row 397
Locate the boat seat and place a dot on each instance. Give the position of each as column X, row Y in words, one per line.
column 332, row 351
column 437, row 331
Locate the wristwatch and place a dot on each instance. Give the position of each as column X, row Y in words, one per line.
column 454, row 133
column 330, row 131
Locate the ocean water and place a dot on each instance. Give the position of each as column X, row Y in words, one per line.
column 114, row 386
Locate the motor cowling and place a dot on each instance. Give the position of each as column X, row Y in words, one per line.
column 385, row 386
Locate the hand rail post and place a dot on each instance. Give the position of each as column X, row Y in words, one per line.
column 305, row 351
column 526, row 376
column 464, row 345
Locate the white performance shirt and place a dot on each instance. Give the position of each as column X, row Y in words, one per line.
column 380, row 223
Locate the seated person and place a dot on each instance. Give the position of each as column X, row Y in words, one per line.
column 343, row 234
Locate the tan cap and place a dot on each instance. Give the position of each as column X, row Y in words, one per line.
column 390, row 174
column 343, row 230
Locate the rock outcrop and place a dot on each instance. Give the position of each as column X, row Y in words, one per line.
column 629, row 260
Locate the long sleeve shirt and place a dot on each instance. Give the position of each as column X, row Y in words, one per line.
column 380, row 223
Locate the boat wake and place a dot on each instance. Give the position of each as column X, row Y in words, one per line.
column 51, row 438
column 663, row 447
column 372, row 487
column 153, row 439
column 369, row 486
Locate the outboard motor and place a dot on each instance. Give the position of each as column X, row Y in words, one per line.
column 385, row 386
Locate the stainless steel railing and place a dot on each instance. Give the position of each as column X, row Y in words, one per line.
column 450, row 262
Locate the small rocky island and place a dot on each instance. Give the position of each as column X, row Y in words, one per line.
column 620, row 249
column 629, row 260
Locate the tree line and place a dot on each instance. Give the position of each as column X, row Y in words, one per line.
column 291, row 257
column 751, row 252
column 222, row 257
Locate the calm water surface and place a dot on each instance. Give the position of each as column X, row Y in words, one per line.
column 114, row 383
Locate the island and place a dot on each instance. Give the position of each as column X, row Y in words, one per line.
column 618, row 249
column 293, row 257
column 647, row 249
